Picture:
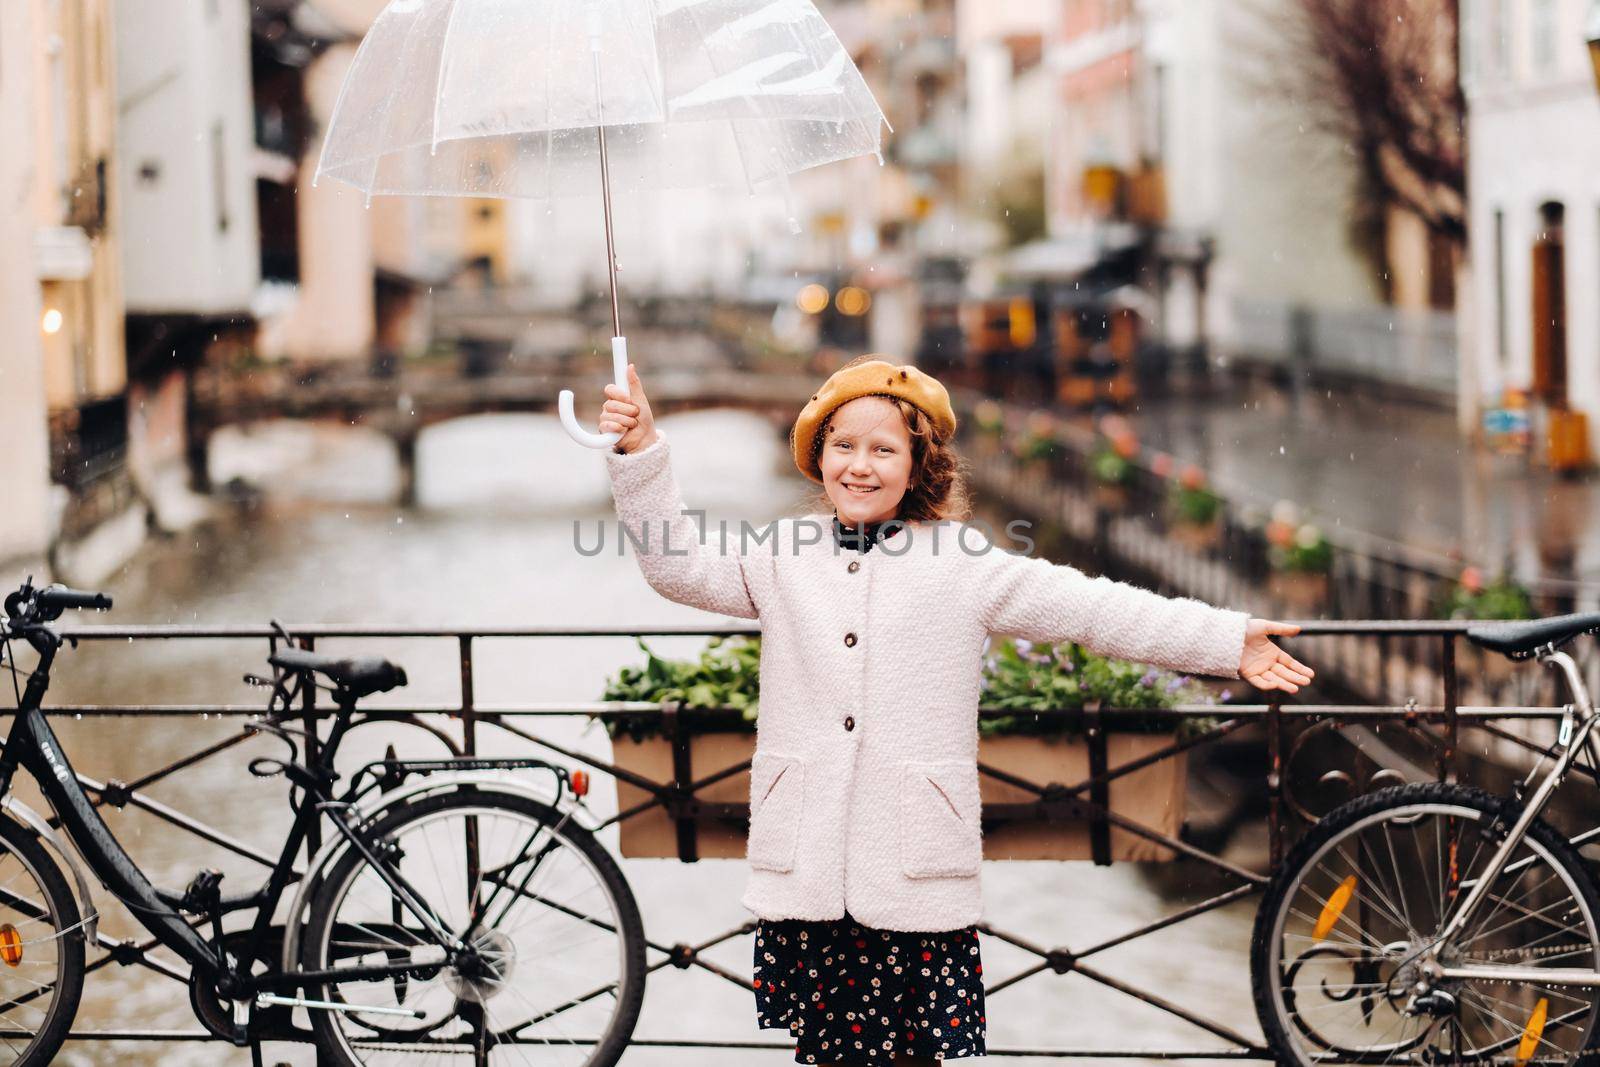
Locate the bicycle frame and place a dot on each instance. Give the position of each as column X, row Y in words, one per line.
column 32, row 745
column 1584, row 734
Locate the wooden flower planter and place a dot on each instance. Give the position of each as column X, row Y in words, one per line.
column 1197, row 535
column 1111, row 496
column 1300, row 591
column 1152, row 796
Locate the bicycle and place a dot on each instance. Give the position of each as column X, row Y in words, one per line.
column 449, row 914
column 1437, row 923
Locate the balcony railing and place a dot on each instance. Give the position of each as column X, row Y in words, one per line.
column 1435, row 731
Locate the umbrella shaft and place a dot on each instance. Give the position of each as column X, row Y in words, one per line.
column 605, row 195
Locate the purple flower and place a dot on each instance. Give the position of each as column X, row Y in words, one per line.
column 1149, row 677
column 1067, row 666
column 1175, row 683
column 1024, row 646
column 1226, row 693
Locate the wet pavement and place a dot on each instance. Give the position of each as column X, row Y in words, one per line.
column 1385, row 472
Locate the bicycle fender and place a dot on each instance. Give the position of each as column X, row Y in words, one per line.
column 41, row 826
column 294, row 917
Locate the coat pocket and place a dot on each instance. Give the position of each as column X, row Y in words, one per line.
column 777, row 804
column 941, row 815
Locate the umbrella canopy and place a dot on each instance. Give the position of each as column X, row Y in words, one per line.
column 541, row 98
column 502, row 98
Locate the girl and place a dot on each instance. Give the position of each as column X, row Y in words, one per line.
column 865, row 840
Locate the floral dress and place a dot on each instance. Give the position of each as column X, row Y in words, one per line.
column 856, row 994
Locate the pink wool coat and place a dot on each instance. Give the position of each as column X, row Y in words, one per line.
column 864, row 783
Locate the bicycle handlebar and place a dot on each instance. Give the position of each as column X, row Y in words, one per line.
column 59, row 597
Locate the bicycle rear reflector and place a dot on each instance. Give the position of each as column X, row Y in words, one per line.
column 1334, row 908
column 10, row 945
column 1532, row 1032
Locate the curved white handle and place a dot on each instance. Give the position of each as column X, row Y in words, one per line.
column 619, row 373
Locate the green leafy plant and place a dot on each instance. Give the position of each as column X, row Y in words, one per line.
column 1108, row 465
column 1302, row 549
column 1198, row 505
column 1032, row 680
column 1470, row 598
column 726, row 675
column 1038, row 679
column 989, row 418
column 1036, row 446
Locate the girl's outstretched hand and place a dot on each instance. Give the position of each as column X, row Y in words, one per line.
column 1266, row 666
column 628, row 413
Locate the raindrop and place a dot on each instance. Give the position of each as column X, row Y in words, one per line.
column 78, row 715
column 1280, row 450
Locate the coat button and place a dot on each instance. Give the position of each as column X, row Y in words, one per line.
column 849, row 722
column 855, row 565
column 850, row 640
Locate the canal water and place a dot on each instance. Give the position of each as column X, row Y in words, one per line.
column 491, row 543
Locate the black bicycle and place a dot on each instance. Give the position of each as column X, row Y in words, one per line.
column 451, row 914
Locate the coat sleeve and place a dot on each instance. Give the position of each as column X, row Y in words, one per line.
column 666, row 541
column 1049, row 602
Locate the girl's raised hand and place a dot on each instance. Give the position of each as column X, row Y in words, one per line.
column 1266, row 666
column 628, row 413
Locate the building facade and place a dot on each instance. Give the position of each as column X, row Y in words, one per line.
column 61, row 287
column 1534, row 202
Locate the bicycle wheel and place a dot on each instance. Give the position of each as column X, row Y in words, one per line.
column 1336, row 957
column 41, row 950
column 555, row 972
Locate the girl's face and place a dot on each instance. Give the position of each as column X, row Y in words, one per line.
column 866, row 460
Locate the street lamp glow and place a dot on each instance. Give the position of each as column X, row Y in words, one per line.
column 51, row 323
column 812, row 298
column 852, row 300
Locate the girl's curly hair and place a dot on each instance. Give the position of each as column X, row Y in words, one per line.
column 937, row 489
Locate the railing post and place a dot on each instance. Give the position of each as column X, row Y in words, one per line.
column 1099, row 788
column 1452, row 722
column 469, row 716
column 685, row 822
column 308, row 714
column 1274, row 781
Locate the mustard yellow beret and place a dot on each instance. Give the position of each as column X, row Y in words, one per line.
column 874, row 377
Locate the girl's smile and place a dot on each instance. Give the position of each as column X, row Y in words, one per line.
column 866, row 460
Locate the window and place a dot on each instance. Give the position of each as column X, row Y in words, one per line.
column 219, row 174
column 1499, row 38
column 1500, row 331
column 1544, row 37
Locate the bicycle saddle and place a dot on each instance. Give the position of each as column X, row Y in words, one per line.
column 1519, row 640
column 362, row 677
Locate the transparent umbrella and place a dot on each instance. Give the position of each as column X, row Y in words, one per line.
column 546, row 98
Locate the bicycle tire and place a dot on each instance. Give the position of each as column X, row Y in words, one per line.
column 630, row 996
column 1354, row 812
column 63, row 907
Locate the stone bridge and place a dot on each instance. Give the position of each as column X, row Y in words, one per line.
column 405, row 400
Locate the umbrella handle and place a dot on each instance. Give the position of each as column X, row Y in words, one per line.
column 619, row 371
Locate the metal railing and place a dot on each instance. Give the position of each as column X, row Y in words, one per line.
column 1135, row 538
column 1287, row 736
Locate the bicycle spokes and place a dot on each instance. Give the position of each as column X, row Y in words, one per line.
column 1361, row 967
